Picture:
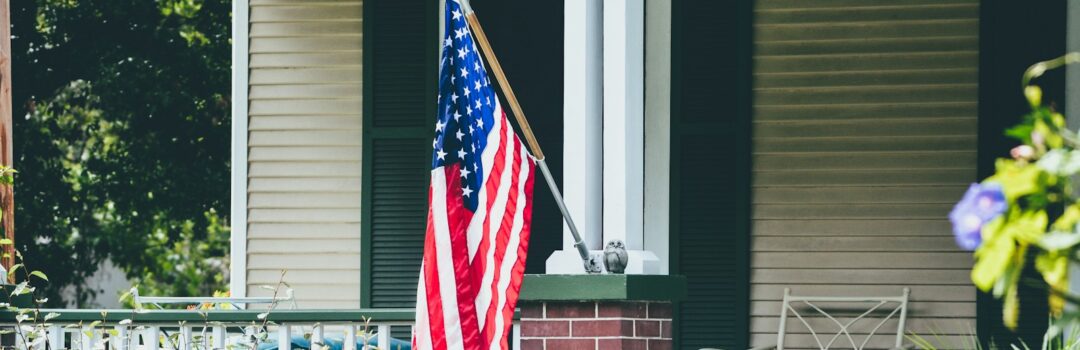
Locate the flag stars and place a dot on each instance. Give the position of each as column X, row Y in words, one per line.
column 465, row 172
column 457, row 14
column 466, row 191
column 487, row 101
column 439, row 125
column 461, row 153
column 477, row 86
column 468, row 110
column 459, row 134
column 477, row 103
column 441, row 154
column 453, row 97
column 476, row 66
column 447, row 42
column 466, row 91
column 464, row 73
column 457, row 116
column 480, row 123
column 462, row 52
column 458, row 34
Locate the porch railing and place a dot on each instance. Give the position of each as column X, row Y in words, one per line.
column 83, row 329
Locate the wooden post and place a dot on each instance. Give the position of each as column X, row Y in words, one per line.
column 7, row 197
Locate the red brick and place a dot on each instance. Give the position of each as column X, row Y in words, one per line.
column 660, row 344
column 660, row 310
column 622, row 344
column 603, row 328
column 665, row 329
column 532, row 344
column 532, row 310
column 622, row 309
column 646, row 329
column 571, row 310
column 537, row 328
column 572, row 344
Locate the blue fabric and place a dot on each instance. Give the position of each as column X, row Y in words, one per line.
column 299, row 342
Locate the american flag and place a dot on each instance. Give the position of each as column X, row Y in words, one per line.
column 480, row 207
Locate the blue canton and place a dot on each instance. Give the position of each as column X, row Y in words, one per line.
column 466, row 106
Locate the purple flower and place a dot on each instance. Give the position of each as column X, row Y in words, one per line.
column 980, row 204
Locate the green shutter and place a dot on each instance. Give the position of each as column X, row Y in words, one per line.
column 400, row 42
column 710, row 171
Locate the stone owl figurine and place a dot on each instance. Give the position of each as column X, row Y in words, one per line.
column 615, row 257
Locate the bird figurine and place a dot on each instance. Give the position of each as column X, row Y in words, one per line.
column 615, row 257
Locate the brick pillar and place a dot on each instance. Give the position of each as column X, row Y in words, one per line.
column 595, row 325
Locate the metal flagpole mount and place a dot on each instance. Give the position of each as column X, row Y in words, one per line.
column 591, row 262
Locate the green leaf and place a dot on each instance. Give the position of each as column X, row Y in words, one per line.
column 993, row 256
column 14, row 269
column 1026, row 226
column 51, row 315
column 40, row 275
column 1017, row 180
column 124, row 297
column 1058, row 240
column 1060, row 162
column 1034, row 95
column 6, row 241
column 22, row 288
column 1010, row 309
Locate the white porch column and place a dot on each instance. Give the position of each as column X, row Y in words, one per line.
column 583, row 126
column 658, row 130
column 1072, row 100
column 624, row 130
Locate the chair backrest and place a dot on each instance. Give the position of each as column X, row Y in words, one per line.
column 895, row 306
column 233, row 302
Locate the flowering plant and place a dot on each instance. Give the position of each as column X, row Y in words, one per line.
column 1028, row 206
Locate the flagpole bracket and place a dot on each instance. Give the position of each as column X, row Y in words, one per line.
column 594, row 263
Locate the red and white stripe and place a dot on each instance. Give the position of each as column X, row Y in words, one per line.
column 474, row 262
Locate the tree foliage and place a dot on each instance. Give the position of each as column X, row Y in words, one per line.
column 121, row 138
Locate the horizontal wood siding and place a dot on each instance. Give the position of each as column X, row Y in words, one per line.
column 304, row 149
column 864, row 135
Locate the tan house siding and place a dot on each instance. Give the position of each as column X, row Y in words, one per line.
column 304, row 150
column 864, row 136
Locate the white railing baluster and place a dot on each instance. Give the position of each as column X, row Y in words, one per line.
column 123, row 339
column 152, row 338
column 220, row 335
column 185, row 338
column 19, row 343
column 284, row 337
column 88, row 336
column 384, row 336
column 204, row 339
column 56, row 337
column 317, row 336
column 515, row 333
column 350, row 337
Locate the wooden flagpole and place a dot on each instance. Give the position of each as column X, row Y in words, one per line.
column 7, row 194
column 590, row 261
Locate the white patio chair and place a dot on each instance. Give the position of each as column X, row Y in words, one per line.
column 880, row 309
